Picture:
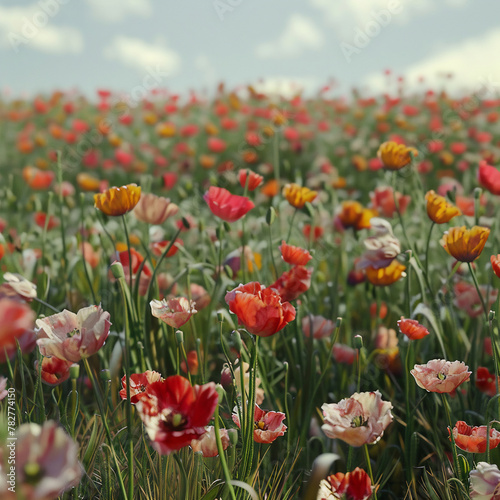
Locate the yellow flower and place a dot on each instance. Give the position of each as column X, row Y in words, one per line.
column 465, row 245
column 354, row 215
column 297, row 196
column 439, row 210
column 118, row 200
column 395, row 156
column 87, row 182
column 386, row 275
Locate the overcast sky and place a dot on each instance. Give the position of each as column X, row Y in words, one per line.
column 194, row 44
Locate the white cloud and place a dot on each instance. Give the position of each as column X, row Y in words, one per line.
column 356, row 14
column 470, row 62
column 116, row 10
column 30, row 26
column 300, row 34
column 138, row 54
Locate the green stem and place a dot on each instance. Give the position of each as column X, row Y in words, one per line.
column 291, row 226
column 126, row 349
column 456, row 465
column 106, row 427
column 427, row 246
column 476, row 284
column 129, row 252
column 369, row 467
column 220, row 449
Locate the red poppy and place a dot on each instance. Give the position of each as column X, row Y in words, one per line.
column 41, row 218
column 485, row 381
column 295, row 256
column 159, row 247
column 355, row 485
column 473, row 439
column 489, row 177
column 412, row 329
column 174, row 412
column 38, row 179
column 216, row 145
column 255, row 180
column 139, row 382
column 229, row 207
column 268, row 425
column 317, row 231
column 169, row 180
column 495, row 264
column 261, row 310
column 54, row 371
column 293, row 283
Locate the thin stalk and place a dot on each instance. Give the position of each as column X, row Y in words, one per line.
column 126, row 348
column 106, row 427
column 220, row 449
column 369, row 467
column 427, row 246
column 456, row 465
column 129, row 252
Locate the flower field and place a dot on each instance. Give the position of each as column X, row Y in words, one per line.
column 244, row 296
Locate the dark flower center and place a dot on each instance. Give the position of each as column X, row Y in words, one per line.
column 441, row 376
column 175, row 420
column 358, row 421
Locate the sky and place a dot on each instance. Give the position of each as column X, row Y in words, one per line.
column 277, row 45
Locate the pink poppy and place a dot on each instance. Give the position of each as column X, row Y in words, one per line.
column 200, row 296
column 343, row 354
column 441, row 376
column 485, row 482
column 207, row 444
column 228, row 207
column 153, row 209
column 268, row 424
column 71, row 336
column 321, row 327
column 467, row 298
column 174, row 312
column 358, row 420
column 46, row 461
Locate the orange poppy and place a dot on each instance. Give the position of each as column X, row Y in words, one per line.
column 438, row 209
column 465, row 245
column 298, row 196
column 118, row 200
column 385, row 275
column 395, row 156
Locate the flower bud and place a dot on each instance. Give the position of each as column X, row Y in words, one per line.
column 117, row 270
column 74, row 371
column 358, row 341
